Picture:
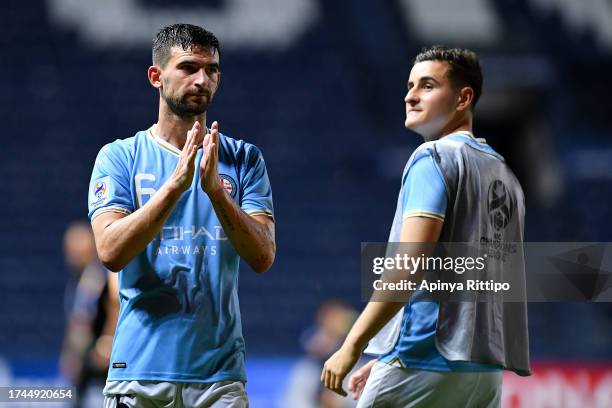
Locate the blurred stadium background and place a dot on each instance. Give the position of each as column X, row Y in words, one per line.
column 318, row 86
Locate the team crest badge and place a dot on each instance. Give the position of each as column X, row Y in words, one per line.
column 228, row 184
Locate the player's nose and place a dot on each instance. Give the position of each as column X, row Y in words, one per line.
column 411, row 97
column 201, row 77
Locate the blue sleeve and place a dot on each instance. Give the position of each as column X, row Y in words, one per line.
column 109, row 188
column 256, row 189
column 424, row 190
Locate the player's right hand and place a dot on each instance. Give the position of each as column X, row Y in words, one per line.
column 185, row 168
column 358, row 379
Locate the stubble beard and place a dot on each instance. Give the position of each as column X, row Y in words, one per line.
column 181, row 107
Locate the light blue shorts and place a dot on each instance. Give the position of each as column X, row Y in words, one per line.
column 390, row 386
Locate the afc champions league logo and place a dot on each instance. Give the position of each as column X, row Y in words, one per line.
column 100, row 190
column 500, row 205
column 228, row 184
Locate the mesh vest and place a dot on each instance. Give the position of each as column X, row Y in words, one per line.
column 485, row 205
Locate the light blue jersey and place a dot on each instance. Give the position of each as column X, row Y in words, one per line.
column 179, row 318
column 424, row 194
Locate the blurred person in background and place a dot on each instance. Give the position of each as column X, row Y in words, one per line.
column 92, row 304
column 79, row 252
column 333, row 321
column 173, row 210
column 455, row 188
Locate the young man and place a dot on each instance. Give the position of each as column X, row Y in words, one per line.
column 173, row 209
column 442, row 354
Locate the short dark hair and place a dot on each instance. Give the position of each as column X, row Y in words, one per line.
column 183, row 35
column 464, row 67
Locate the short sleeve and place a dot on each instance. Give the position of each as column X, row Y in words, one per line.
column 424, row 190
column 109, row 188
column 256, row 190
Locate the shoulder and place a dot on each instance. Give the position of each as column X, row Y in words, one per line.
column 451, row 150
column 424, row 150
column 435, row 147
column 121, row 152
column 424, row 164
column 124, row 148
column 446, row 145
column 443, row 156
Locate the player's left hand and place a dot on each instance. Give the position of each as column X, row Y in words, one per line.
column 337, row 367
column 209, row 176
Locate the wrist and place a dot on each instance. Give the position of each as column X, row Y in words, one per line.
column 356, row 339
column 214, row 191
column 173, row 188
column 352, row 347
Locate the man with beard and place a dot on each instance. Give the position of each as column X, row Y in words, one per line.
column 173, row 210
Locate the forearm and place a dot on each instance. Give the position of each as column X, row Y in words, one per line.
column 372, row 319
column 253, row 240
column 124, row 238
column 385, row 304
column 417, row 236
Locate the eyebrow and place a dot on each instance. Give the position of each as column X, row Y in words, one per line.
column 192, row 62
column 425, row 79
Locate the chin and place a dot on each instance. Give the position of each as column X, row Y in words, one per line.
column 411, row 125
column 419, row 129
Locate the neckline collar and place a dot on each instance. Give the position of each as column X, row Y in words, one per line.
column 468, row 134
column 152, row 131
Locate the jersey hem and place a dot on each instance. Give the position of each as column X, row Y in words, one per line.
column 110, row 209
column 419, row 365
column 260, row 212
column 426, row 214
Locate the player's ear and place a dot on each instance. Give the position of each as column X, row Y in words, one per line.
column 154, row 73
column 465, row 98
